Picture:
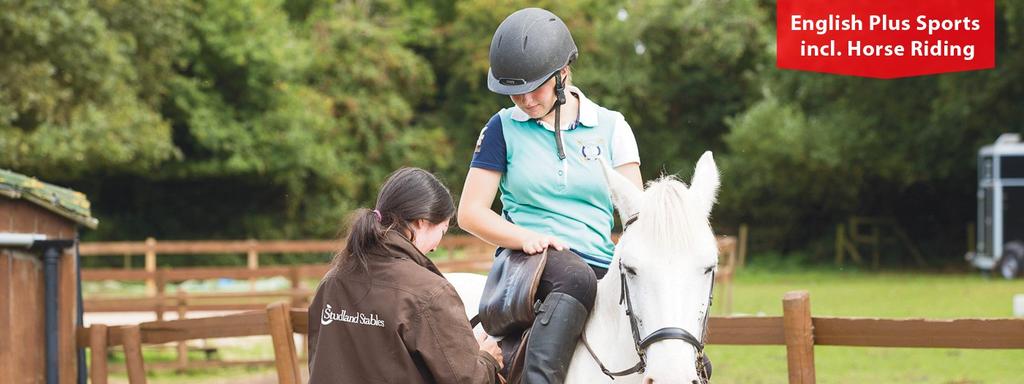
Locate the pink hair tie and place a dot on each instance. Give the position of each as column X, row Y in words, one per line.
column 377, row 213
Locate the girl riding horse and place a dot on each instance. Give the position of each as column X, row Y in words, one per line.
column 539, row 154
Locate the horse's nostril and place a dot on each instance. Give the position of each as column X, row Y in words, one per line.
column 648, row 380
column 695, row 382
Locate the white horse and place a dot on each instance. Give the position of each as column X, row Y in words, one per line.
column 667, row 256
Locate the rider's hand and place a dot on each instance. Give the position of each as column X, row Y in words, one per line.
column 490, row 345
column 538, row 243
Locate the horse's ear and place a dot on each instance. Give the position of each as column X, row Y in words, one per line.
column 705, row 181
column 625, row 195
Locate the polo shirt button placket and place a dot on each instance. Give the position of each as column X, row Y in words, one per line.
column 562, row 179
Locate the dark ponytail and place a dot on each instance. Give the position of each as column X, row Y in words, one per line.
column 408, row 194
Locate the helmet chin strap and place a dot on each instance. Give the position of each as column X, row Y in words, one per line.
column 559, row 101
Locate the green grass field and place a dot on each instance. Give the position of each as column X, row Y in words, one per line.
column 865, row 294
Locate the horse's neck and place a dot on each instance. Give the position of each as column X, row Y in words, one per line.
column 608, row 333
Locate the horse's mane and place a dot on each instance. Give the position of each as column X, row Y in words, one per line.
column 673, row 213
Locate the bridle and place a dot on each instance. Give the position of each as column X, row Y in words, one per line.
column 667, row 333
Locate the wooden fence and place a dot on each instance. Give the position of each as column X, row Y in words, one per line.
column 472, row 250
column 796, row 329
column 473, row 256
column 99, row 337
column 464, row 254
column 180, row 300
column 151, row 248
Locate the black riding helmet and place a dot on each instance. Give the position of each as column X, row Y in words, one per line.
column 527, row 49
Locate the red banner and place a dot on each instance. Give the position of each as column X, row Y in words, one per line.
column 885, row 39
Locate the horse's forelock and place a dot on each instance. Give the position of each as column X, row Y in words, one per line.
column 672, row 211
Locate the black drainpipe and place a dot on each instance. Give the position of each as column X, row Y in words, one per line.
column 83, row 373
column 52, row 250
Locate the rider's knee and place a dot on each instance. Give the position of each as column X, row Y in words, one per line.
column 572, row 276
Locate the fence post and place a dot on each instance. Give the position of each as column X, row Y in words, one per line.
column 253, row 261
column 296, row 279
column 799, row 333
column 876, row 241
column 182, row 345
column 971, row 244
column 295, row 275
column 161, row 286
column 150, row 265
column 742, row 244
column 133, row 354
column 728, row 293
column 98, row 345
column 840, row 246
column 285, row 356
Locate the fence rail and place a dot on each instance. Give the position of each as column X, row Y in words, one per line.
column 920, row 333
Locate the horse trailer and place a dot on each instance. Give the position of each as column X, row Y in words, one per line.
column 1000, row 228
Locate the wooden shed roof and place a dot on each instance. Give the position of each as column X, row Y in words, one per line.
column 62, row 201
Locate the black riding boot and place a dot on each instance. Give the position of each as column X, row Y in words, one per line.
column 553, row 339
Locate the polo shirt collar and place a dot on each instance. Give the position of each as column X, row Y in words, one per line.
column 587, row 116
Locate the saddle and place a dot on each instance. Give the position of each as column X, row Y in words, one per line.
column 508, row 305
column 509, row 295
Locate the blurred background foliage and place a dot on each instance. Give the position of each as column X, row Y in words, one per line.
column 193, row 119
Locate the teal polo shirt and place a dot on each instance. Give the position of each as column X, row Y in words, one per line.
column 567, row 198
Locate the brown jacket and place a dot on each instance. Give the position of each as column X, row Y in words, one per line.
column 401, row 322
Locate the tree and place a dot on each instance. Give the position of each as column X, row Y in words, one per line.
column 75, row 87
column 199, row 119
column 819, row 148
